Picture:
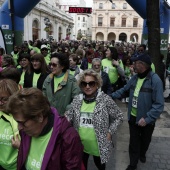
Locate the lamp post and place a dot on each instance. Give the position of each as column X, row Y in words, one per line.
column 11, row 8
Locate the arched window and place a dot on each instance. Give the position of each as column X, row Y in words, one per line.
column 123, row 37
column 35, row 30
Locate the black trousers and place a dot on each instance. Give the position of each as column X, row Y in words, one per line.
column 1, row 168
column 140, row 138
column 96, row 159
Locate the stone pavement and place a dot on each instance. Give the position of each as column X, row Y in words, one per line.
column 158, row 155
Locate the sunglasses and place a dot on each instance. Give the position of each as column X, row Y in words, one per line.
column 53, row 64
column 44, row 49
column 84, row 84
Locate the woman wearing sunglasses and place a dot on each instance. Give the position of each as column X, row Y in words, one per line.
column 35, row 76
column 48, row 141
column 60, row 87
column 96, row 117
column 9, row 134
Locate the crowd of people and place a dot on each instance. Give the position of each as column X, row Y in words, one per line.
column 57, row 103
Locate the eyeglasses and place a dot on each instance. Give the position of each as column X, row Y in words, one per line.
column 22, row 123
column 84, row 84
column 4, row 99
column 53, row 64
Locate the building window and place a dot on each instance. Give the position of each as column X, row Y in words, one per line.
column 100, row 6
column 78, row 18
column 113, row 6
column 135, row 22
column 112, row 22
column 100, row 21
column 124, row 5
column 83, row 19
column 123, row 22
column 78, row 24
column 83, row 24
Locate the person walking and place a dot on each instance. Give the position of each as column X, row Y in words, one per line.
column 96, row 118
column 106, row 85
column 113, row 67
column 60, row 87
column 48, row 141
column 9, row 134
column 146, row 103
column 36, row 75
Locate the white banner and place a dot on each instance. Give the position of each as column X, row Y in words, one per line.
column 2, row 42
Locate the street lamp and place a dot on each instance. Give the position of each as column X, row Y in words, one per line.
column 47, row 24
column 47, row 21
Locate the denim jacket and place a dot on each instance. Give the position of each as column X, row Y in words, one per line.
column 150, row 102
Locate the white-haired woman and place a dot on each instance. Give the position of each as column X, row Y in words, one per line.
column 96, row 117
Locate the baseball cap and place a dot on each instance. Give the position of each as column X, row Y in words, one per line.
column 44, row 46
column 142, row 57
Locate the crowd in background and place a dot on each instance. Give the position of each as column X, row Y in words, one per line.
column 59, row 75
column 80, row 54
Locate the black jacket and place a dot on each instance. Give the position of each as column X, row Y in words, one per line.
column 28, row 80
column 106, row 87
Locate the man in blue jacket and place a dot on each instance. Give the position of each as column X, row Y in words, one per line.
column 146, row 103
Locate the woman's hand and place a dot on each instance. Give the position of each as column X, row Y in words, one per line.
column 115, row 63
column 16, row 142
column 109, row 136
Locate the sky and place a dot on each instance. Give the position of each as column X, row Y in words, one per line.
column 89, row 3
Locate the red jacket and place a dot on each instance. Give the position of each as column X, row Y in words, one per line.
column 64, row 150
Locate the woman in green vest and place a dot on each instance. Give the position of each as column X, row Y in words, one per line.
column 96, row 117
column 35, row 76
column 113, row 67
column 9, row 135
column 24, row 65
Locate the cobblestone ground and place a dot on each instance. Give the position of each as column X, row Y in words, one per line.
column 158, row 155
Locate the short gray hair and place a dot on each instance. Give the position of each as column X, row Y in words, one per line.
column 96, row 60
column 90, row 72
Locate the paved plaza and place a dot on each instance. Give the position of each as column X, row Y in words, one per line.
column 158, row 155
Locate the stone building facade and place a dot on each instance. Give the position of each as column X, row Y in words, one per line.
column 82, row 22
column 115, row 21
column 60, row 24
